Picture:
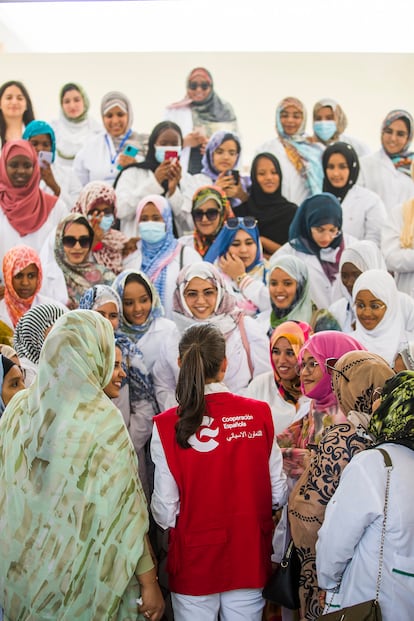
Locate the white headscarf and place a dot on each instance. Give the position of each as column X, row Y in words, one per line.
column 387, row 337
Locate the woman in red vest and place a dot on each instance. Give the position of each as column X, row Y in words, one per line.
column 218, row 473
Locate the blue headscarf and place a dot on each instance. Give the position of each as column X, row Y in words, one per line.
column 136, row 331
column 35, row 128
column 161, row 253
column 317, row 210
column 225, row 238
column 215, row 141
column 138, row 378
column 305, row 156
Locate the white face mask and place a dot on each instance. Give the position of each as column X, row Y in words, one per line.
column 161, row 151
column 152, row 232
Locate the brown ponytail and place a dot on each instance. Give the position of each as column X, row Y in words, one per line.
column 202, row 350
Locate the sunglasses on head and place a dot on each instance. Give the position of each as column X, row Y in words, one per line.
column 248, row 221
column 69, row 241
column 193, row 86
column 330, row 367
column 210, row 214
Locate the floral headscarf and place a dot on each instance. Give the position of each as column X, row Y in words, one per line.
column 136, row 331
column 210, row 192
column 393, row 421
column 79, row 277
column 14, row 261
column 108, row 252
column 26, row 208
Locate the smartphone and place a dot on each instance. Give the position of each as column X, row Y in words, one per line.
column 44, row 157
column 235, row 174
column 171, row 155
column 130, row 150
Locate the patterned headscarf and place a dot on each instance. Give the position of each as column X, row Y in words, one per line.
column 210, row 192
column 79, row 277
column 136, row 331
column 305, row 157
column 351, row 157
column 14, row 261
column 138, row 378
column 35, row 128
column 339, row 116
column 26, row 208
column 297, row 333
column 66, row 453
column 226, row 314
column 393, row 421
column 402, row 160
column 215, row 141
column 29, row 335
column 156, row 257
column 322, row 346
column 364, row 372
column 116, row 98
column 108, row 252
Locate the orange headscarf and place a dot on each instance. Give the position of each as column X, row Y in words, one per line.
column 14, row 261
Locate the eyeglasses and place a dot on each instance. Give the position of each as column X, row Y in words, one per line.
column 210, row 214
column 108, row 211
column 248, row 221
column 193, row 86
column 374, row 306
column 310, row 366
column 69, row 241
column 400, row 132
column 330, row 367
column 317, row 230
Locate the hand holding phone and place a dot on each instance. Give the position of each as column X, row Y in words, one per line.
column 171, row 155
column 44, row 158
column 235, row 174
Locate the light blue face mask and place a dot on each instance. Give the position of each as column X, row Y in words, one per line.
column 324, row 129
column 161, row 151
column 107, row 222
column 152, row 232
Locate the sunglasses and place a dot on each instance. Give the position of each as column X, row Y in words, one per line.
column 193, row 86
column 210, row 214
column 69, row 241
column 330, row 367
column 248, row 221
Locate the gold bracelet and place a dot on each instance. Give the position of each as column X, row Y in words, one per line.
column 238, row 279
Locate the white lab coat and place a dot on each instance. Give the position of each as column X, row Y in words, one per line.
column 363, row 214
column 349, row 538
column 399, row 260
column 93, row 161
column 379, row 174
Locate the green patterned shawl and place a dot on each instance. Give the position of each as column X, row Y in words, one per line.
column 72, row 512
column 393, row 421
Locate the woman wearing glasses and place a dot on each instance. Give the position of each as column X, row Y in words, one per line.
column 210, row 209
column 316, row 237
column 387, row 171
column 383, row 321
column 199, row 114
column 237, row 252
column 315, row 358
column 74, row 268
column 27, row 214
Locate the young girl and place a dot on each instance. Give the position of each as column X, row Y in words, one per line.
column 226, row 520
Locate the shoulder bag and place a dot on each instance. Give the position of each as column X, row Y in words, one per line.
column 283, row 585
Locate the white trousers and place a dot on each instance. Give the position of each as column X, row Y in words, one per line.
column 237, row 605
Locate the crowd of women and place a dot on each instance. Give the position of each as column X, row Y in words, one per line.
column 190, row 351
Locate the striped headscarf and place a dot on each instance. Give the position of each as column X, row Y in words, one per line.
column 29, row 335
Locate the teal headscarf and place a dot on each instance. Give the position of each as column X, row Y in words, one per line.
column 35, row 128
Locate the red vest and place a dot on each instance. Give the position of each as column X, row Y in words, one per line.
column 222, row 538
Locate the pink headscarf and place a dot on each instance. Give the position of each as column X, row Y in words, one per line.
column 26, row 208
column 323, row 345
column 14, row 261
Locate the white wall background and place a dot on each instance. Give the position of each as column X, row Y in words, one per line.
column 310, row 49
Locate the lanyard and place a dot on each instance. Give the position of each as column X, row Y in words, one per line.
column 119, row 149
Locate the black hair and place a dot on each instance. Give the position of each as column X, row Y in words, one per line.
column 202, row 349
column 28, row 114
column 141, row 281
